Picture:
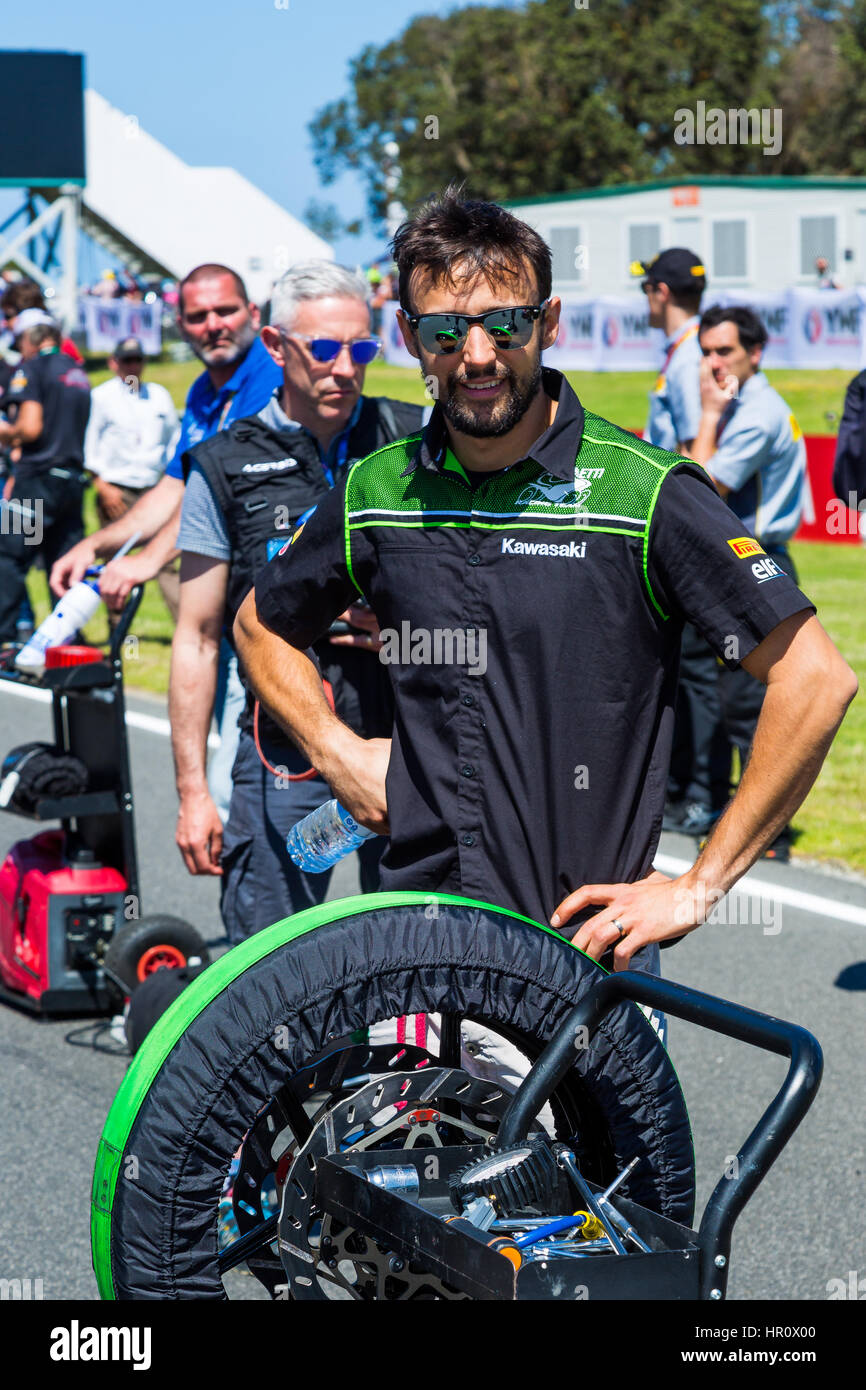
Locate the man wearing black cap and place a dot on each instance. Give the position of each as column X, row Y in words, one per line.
column 131, row 435
column 673, row 284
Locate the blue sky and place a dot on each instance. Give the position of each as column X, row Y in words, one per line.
column 227, row 81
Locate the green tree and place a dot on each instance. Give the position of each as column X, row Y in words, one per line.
column 808, row 78
column 526, row 101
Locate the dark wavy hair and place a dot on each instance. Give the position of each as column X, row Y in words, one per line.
column 752, row 332
column 452, row 237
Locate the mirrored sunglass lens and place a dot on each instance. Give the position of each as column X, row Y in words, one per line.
column 364, row 351
column 512, row 330
column 325, row 349
column 441, row 334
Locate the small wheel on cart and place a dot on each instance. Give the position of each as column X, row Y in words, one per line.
column 153, row 943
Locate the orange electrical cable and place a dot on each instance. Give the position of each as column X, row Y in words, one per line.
column 279, row 772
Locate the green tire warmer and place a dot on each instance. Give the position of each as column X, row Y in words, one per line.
column 257, row 1015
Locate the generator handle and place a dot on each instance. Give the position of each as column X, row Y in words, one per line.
column 766, row 1140
column 130, row 609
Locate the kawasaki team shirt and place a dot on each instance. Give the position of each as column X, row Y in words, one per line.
column 531, row 623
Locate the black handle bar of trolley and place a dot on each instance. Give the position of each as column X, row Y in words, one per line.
column 130, row 608
column 766, row 1140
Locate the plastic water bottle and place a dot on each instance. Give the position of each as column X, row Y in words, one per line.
column 74, row 610
column 324, row 837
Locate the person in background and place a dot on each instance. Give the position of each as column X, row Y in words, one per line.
column 674, row 283
column 48, row 403
column 849, row 464
column 249, row 487
column 131, row 435
column 753, row 449
column 221, row 325
column 26, row 294
column 826, row 278
column 107, row 287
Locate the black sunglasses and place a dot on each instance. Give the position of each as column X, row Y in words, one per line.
column 506, row 328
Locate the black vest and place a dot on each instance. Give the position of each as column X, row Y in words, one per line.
column 264, row 479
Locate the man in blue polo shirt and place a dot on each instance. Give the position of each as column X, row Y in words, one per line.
column 221, row 326
column 752, row 447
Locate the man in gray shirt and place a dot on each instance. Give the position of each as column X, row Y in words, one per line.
column 247, row 490
column 753, row 449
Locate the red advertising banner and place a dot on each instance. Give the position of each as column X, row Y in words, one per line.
column 825, row 518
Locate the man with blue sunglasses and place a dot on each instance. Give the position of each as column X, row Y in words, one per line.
column 249, row 489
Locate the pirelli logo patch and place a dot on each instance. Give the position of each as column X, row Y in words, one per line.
column 745, row 546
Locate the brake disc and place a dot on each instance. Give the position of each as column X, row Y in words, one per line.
column 272, row 1142
column 326, row 1258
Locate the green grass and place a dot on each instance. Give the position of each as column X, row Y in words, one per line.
column 830, row 823
column 622, row 396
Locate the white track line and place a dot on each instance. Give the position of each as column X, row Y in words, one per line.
column 150, row 723
column 666, row 863
column 792, row 897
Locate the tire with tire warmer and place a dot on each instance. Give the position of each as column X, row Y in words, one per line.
column 135, row 940
column 225, row 1047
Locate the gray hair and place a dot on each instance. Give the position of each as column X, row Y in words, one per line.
column 42, row 333
column 314, row 280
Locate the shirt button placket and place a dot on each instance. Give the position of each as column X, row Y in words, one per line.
column 469, row 766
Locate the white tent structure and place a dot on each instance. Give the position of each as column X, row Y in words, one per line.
column 157, row 214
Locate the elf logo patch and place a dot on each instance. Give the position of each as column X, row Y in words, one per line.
column 744, row 546
column 766, row 569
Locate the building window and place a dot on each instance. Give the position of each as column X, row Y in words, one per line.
column 570, row 256
column 644, row 241
column 729, row 250
column 817, row 238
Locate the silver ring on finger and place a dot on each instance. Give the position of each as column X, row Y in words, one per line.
column 619, row 926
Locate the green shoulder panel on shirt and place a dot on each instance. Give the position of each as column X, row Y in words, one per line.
column 614, row 488
column 636, row 478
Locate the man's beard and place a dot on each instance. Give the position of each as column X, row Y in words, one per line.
column 242, row 341
column 508, row 410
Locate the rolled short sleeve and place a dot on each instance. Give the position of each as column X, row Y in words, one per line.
column 202, row 525
column 25, row 385
column 740, row 455
column 704, row 568
column 307, row 584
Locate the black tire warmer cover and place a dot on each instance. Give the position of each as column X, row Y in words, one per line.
column 190, row 1096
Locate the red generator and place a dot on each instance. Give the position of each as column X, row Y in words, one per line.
column 58, row 914
column 72, row 937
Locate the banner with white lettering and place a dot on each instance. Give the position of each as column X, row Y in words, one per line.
column 827, row 328
column 107, row 321
column 575, row 348
column 624, row 341
column 806, row 328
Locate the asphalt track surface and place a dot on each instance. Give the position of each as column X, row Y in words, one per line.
column 803, row 1227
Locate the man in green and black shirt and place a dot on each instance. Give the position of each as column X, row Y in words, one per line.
column 531, row 567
